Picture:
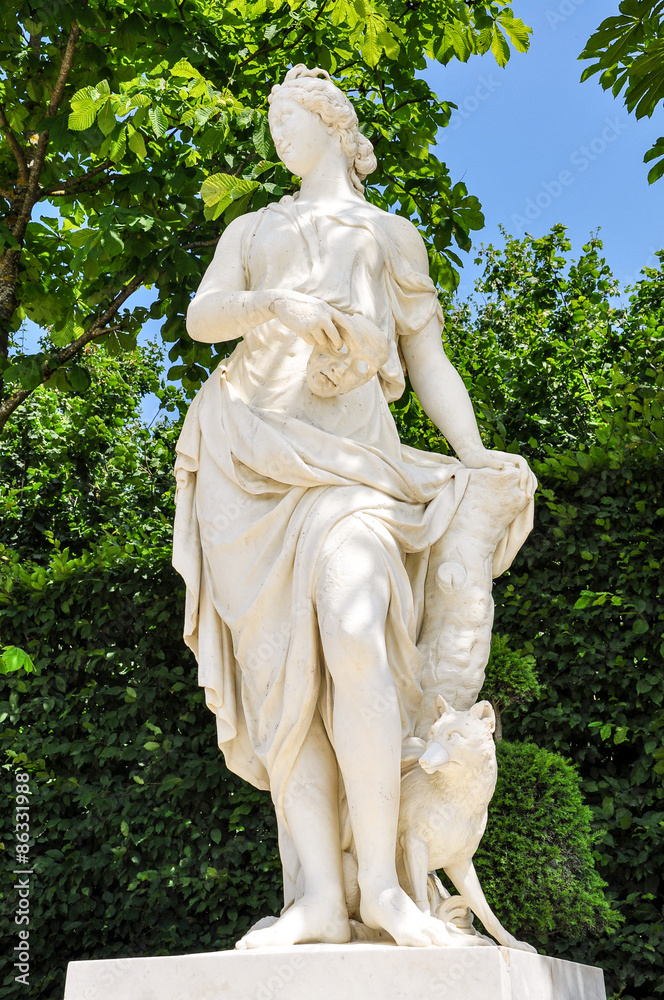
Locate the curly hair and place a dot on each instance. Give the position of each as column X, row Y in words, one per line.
column 315, row 91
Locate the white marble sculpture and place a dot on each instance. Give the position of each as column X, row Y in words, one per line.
column 338, row 582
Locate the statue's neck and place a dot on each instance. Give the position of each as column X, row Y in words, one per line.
column 327, row 188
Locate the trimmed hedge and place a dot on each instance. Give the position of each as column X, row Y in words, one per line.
column 143, row 842
column 535, row 862
column 587, row 599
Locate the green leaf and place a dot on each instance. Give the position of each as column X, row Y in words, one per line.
column 65, row 334
column 112, row 242
column 106, row 119
column 78, row 121
column 79, row 378
column 656, row 151
column 29, row 371
column 371, row 47
column 183, row 68
column 519, row 33
column 262, row 139
column 118, row 148
column 499, row 46
column 84, row 106
column 150, row 745
column 640, row 626
column 137, row 145
column 13, row 659
column 158, row 121
column 656, row 172
column 140, row 101
column 79, row 237
column 219, row 190
column 388, row 42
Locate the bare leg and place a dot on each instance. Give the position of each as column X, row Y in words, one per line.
column 352, row 602
column 312, row 814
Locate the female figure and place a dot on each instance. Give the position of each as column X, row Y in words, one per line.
column 303, row 525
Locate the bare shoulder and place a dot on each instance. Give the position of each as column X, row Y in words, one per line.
column 407, row 238
column 235, row 232
column 226, row 269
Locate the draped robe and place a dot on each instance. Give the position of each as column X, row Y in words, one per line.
column 273, row 476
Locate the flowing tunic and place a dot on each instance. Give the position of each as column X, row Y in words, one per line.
column 276, row 477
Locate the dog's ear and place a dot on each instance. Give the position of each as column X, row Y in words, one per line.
column 442, row 705
column 484, row 711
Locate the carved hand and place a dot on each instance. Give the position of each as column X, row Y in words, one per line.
column 483, row 458
column 311, row 319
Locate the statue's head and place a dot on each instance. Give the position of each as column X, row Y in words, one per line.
column 308, row 113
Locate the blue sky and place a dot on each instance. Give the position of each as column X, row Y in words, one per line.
column 538, row 147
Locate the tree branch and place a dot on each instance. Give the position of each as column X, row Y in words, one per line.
column 15, row 147
column 381, row 88
column 72, row 184
column 99, row 328
column 42, row 143
column 199, row 243
column 21, row 210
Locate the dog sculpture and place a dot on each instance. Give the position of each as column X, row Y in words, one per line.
column 443, row 813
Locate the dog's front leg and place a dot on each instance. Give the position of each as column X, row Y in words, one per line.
column 465, row 879
column 416, row 863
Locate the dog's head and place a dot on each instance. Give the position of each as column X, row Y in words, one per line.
column 457, row 737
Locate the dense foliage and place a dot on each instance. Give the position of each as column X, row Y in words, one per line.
column 133, row 813
column 77, row 469
column 510, row 679
column 116, row 115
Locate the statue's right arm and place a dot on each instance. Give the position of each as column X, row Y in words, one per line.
column 223, row 308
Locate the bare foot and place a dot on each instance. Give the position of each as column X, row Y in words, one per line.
column 387, row 907
column 311, row 919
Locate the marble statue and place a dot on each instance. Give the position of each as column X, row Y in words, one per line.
column 338, row 582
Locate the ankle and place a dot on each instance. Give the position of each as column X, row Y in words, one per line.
column 372, row 883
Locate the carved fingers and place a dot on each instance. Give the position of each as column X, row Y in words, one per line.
column 308, row 317
column 483, row 458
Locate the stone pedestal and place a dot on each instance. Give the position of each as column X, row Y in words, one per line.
column 338, row 972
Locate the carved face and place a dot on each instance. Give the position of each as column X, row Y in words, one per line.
column 331, row 373
column 363, row 352
column 300, row 137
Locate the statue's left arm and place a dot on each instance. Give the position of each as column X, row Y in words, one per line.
column 438, row 385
